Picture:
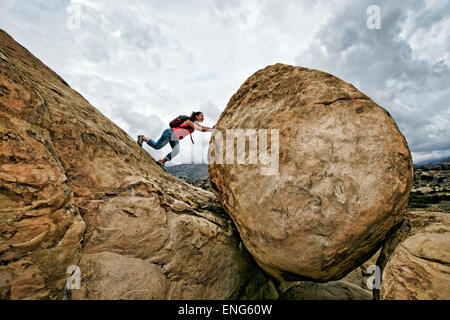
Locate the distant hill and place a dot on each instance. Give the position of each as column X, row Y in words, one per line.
column 200, row 171
column 445, row 160
column 189, row 170
column 442, row 163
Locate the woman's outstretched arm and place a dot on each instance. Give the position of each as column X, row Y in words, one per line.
column 196, row 127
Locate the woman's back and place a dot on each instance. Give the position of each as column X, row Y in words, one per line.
column 183, row 130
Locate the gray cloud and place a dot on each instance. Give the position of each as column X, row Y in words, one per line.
column 210, row 111
column 384, row 65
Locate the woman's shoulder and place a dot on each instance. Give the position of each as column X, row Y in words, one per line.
column 187, row 123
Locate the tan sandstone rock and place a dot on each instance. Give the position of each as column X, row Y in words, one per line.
column 343, row 177
column 416, row 258
column 40, row 226
column 145, row 234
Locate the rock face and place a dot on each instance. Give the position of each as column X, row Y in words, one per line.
column 40, row 225
column 334, row 290
column 343, row 179
column 77, row 190
column 416, row 258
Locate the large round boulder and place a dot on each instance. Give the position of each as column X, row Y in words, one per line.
column 330, row 176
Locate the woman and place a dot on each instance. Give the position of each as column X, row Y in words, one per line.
column 173, row 135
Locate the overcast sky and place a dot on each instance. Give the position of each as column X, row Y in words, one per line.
column 141, row 63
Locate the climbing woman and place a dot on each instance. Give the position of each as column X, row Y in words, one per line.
column 179, row 128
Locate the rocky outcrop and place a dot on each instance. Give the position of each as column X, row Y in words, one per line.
column 343, row 173
column 431, row 190
column 415, row 260
column 77, row 190
column 40, row 225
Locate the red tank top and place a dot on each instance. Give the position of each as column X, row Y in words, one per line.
column 182, row 131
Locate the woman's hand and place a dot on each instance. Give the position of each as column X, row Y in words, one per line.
column 207, row 129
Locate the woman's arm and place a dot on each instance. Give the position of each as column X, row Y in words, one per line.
column 195, row 126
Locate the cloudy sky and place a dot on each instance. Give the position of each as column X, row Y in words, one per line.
column 142, row 63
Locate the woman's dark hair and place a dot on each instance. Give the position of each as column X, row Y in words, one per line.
column 194, row 115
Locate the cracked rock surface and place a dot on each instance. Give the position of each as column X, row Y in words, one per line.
column 75, row 189
column 415, row 259
column 343, row 180
column 40, row 225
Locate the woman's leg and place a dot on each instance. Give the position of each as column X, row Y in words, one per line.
column 176, row 150
column 162, row 141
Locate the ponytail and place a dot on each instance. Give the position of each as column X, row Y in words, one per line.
column 194, row 115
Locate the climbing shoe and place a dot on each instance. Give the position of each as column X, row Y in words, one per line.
column 140, row 139
column 161, row 164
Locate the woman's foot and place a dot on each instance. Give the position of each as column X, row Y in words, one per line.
column 161, row 164
column 140, row 139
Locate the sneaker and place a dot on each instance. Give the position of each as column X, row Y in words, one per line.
column 161, row 164
column 140, row 139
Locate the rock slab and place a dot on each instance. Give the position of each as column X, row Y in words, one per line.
column 76, row 190
column 416, row 258
column 40, row 225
